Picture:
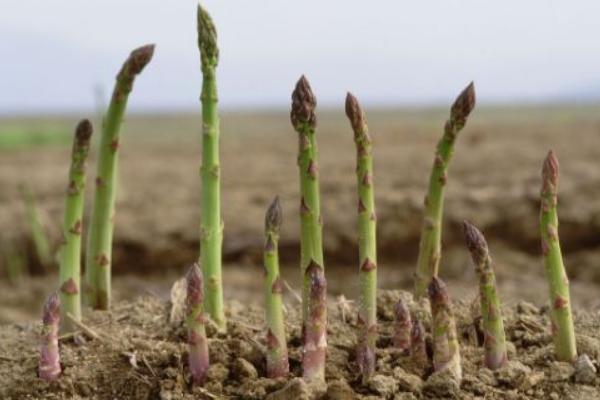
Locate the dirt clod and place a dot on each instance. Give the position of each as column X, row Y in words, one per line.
column 585, row 372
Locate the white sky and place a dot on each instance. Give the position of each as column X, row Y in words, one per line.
column 53, row 53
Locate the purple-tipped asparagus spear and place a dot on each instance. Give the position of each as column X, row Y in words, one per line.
column 315, row 330
column 446, row 351
column 49, row 366
column 198, row 343
column 418, row 347
column 402, row 326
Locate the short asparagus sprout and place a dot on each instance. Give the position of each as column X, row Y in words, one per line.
column 491, row 309
column 70, row 252
column 49, row 364
column 198, row 358
column 418, row 346
column 277, row 354
column 211, row 230
column 403, row 327
column 315, row 329
column 100, row 235
column 563, row 330
column 367, row 245
column 446, row 350
column 304, row 121
column 431, row 233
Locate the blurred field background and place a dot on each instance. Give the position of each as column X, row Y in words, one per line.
column 494, row 181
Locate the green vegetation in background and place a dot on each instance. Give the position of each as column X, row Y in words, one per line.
column 20, row 137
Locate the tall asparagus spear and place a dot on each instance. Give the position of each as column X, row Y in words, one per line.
column 99, row 246
column 304, row 121
column 315, row 329
column 367, row 245
column 277, row 354
column 446, row 350
column 563, row 330
column 49, row 364
column 491, row 310
column 198, row 358
column 431, row 233
column 211, row 230
column 70, row 254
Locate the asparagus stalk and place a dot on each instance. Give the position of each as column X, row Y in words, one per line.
column 491, row 309
column 367, row 314
column 41, row 243
column 431, row 233
column 418, row 347
column 446, row 352
column 277, row 354
column 563, row 330
column 304, row 121
column 315, row 329
column 198, row 358
column 100, row 236
column 49, row 364
column 70, row 255
column 211, row 230
column 403, row 327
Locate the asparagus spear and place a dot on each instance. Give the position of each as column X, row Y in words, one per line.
column 198, row 358
column 563, row 330
column 418, row 347
column 446, row 351
column 431, row 233
column 491, row 310
column 367, row 314
column 70, row 255
column 315, row 329
column 49, row 364
column 304, row 121
column 99, row 246
column 211, row 230
column 277, row 354
column 39, row 235
column 403, row 326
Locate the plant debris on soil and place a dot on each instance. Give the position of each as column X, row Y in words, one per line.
column 138, row 351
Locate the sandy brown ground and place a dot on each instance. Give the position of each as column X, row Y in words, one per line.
column 494, row 181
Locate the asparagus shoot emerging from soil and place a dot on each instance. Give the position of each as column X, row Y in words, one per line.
column 315, row 329
column 100, row 235
column 49, row 366
column 304, row 121
column 431, row 233
column 198, row 343
column 70, row 254
column 446, row 352
column 563, row 330
column 277, row 354
column 403, row 326
column 418, row 347
column 367, row 314
column 491, row 309
column 211, row 229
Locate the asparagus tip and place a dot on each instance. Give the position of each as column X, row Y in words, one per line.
column 354, row 112
column 139, row 58
column 550, row 169
column 51, row 312
column 83, row 132
column 438, row 292
column 207, row 38
column 464, row 103
column 195, row 289
column 273, row 218
column 475, row 240
column 304, row 103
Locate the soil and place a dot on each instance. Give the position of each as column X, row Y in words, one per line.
column 140, row 353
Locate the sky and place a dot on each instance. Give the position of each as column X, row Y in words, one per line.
column 62, row 55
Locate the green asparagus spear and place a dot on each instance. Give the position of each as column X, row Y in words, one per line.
column 211, row 230
column 431, row 233
column 563, row 330
column 491, row 309
column 70, row 253
column 100, row 235
column 314, row 351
